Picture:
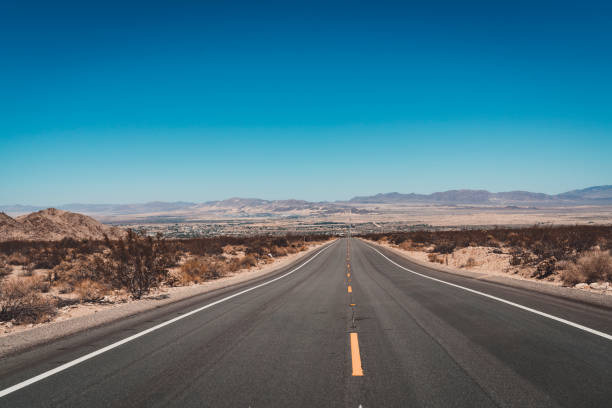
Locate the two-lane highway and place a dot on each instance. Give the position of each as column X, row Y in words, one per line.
column 291, row 340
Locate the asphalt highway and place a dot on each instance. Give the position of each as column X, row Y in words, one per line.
column 348, row 325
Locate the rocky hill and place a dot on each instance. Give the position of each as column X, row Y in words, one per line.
column 52, row 225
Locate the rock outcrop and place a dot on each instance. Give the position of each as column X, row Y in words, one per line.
column 53, row 225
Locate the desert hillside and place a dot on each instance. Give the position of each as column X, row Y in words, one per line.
column 52, row 225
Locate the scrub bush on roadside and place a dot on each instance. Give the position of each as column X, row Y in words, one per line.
column 198, row 270
column 592, row 266
column 568, row 252
column 5, row 269
column 248, row 261
column 138, row 263
column 20, row 302
column 90, row 291
column 17, row 258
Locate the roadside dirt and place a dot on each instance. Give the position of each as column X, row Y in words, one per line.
column 496, row 267
column 77, row 317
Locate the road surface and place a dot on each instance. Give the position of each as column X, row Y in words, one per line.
column 349, row 325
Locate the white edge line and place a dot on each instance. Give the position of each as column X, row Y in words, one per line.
column 93, row 354
column 558, row 319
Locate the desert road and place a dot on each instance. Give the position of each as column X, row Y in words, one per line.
column 348, row 325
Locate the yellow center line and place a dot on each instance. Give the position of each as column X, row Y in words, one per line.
column 355, row 356
column 350, row 290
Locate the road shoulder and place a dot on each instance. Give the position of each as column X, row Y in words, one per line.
column 591, row 298
column 20, row 341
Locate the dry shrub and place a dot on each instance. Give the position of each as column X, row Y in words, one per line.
column 17, row 258
column 201, row 269
column 83, row 267
column 192, row 271
column 278, row 251
column 90, row 291
column 592, row 266
column 435, row 258
column 137, row 263
column 19, row 301
column 216, row 270
column 248, row 261
column 234, row 265
column 39, row 283
column 516, row 259
column 445, row 247
column 65, row 288
column 173, row 279
column 545, row 268
column 230, row 250
column 5, row 269
column 28, row 269
column 406, row 245
column 561, row 242
column 571, row 275
column 266, row 259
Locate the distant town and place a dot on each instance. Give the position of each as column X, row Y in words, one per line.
column 257, row 227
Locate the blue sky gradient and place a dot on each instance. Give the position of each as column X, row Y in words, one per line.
column 132, row 102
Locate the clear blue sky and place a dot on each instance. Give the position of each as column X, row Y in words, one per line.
column 132, row 102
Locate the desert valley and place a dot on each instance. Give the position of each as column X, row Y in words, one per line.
column 54, row 260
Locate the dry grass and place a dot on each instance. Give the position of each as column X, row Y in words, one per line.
column 201, row 269
column 435, row 258
column 278, row 251
column 592, row 266
column 90, row 291
column 28, row 269
column 248, row 261
column 20, row 302
column 5, row 269
column 571, row 254
column 67, row 270
column 17, row 258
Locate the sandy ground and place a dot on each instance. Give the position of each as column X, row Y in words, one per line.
column 470, row 215
column 475, row 259
column 412, row 213
column 71, row 319
column 495, row 267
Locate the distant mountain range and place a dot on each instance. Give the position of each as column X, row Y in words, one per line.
column 160, row 207
column 238, row 207
column 593, row 195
